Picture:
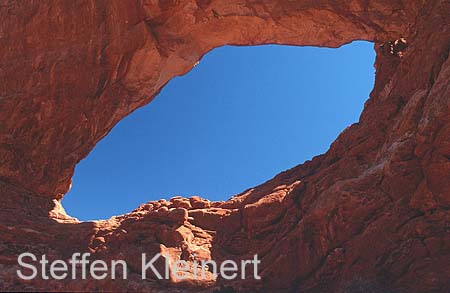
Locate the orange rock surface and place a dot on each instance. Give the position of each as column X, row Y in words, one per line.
column 370, row 214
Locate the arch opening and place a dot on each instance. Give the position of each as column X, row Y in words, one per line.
column 240, row 117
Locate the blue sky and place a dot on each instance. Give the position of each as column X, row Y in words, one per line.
column 240, row 117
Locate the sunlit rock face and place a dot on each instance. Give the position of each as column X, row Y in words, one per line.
column 370, row 214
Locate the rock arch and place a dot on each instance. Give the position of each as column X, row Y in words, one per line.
column 372, row 211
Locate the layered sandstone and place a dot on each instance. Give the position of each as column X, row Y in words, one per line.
column 371, row 213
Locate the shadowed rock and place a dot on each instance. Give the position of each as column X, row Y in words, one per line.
column 369, row 215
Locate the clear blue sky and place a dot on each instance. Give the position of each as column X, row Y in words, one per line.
column 236, row 120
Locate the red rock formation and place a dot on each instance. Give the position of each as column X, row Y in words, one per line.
column 371, row 213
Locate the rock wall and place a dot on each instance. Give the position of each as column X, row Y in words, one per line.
column 370, row 214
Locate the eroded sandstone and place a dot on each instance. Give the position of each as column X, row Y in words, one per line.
column 371, row 213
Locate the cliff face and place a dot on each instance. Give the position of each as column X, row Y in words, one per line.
column 373, row 212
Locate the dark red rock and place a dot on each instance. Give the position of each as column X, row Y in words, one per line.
column 370, row 214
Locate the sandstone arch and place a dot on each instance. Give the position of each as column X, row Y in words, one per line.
column 372, row 211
